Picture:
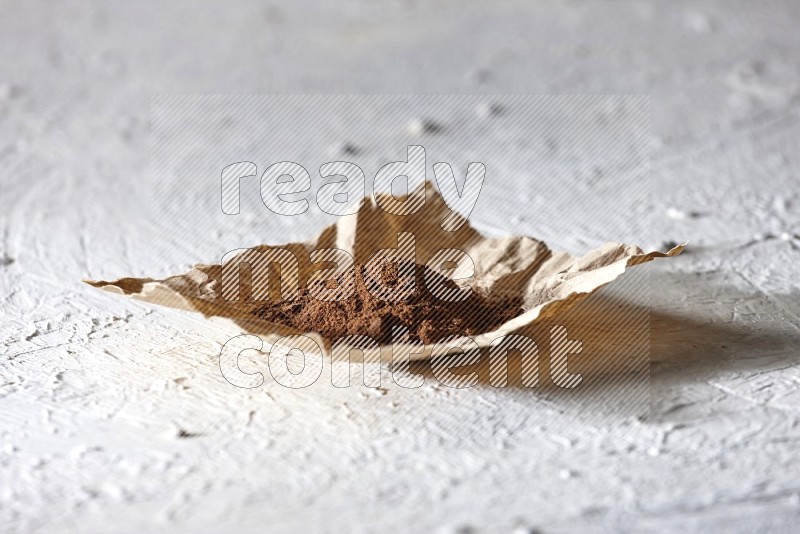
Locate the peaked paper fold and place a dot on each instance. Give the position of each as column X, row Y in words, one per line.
column 550, row 282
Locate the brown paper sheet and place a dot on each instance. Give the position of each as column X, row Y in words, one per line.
column 550, row 282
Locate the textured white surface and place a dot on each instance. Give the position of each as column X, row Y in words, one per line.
column 113, row 418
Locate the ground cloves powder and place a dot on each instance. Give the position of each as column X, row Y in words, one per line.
column 426, row 317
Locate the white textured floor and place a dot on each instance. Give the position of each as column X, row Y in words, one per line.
column 114, row 418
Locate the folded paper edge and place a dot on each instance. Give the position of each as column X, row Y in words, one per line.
column 149, row 290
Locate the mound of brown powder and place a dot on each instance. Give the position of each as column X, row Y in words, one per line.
column 426, row 317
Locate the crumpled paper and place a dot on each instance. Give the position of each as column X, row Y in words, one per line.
column 550, row 282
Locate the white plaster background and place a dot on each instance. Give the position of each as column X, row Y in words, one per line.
column 112, row 419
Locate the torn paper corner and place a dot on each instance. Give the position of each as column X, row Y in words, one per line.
column 548, row 282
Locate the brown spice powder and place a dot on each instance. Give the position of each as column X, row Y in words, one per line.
column 426, row 317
